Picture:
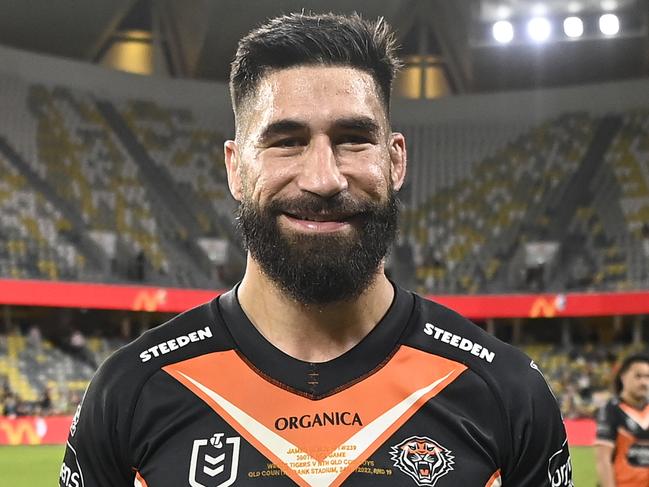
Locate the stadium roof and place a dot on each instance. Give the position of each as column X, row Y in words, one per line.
column 201, row 35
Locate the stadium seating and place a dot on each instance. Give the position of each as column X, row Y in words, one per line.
column 150, row 176
column 628, row 158
column 190, row 150
column 82, row 161
column 580, row 376
column 463, row 232
column 32, row 232
column 32, row 366
column 62, row 149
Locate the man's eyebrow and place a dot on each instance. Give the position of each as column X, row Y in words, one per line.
column 281, row 127
column 288, row 126
column 360, row 124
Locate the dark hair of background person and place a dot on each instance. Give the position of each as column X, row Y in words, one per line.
column 626, row 365
column 302, row 39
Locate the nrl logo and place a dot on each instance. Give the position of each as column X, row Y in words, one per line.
column 75, row 421
column 214, row 462
column 423, row 459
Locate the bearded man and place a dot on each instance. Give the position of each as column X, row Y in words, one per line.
column 622, row 443
column 316, row 370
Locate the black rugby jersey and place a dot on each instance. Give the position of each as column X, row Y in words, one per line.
column 626, row 429
column 426, row 399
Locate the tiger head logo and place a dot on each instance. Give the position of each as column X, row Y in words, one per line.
column 423, row 459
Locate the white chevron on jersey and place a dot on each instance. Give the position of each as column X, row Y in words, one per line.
column 289, row 454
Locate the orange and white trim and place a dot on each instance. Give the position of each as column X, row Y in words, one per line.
column 641, row 417
column 495, row 480
column 139, row 480
column 333, row 452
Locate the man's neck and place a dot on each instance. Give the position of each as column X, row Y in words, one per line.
column 308, row 332
column 637, row 403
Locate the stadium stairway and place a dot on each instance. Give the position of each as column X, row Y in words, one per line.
column 607, row 195
column 18, row 382
column 97, row 260
column 574, row 194
column 579, row 195
column 577, row 192
column 166, row 203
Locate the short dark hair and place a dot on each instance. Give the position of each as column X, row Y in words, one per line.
column 626, row 365
column 302, row 39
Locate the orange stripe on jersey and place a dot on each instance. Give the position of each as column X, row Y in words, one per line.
column 640, row 417
column 627, row 475
column 317, row 442
column 623, row 442
column 494, row 480
column 139, row 480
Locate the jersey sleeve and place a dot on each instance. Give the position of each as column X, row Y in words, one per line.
column 96, row 453
column 540, row 455
column 606, row 427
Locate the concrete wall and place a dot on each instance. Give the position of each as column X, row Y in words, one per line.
column 527, row 107
column 117, row 85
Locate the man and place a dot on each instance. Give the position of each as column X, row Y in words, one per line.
column 622, row 445
column 316, row 370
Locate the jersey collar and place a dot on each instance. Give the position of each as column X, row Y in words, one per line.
column 317, row 380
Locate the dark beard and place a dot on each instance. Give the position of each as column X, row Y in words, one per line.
column 320, row 269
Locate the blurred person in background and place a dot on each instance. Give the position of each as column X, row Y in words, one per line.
column 45, row 401
column 78, row 348
column 622, row 444
column 35, row 338
column 645, row 248
column 10, row 406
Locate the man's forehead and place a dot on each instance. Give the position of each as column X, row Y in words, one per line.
column 336, row 91
column 341, row 79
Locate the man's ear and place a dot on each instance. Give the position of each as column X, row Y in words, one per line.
column 233, row 168
column 398, row 159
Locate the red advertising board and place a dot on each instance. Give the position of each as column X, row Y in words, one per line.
column 33, row 430
column 581, row 432
column 100, row 296
column 144, row 298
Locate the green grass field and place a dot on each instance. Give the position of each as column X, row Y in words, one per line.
column 30, row 466
column 38, row 466
column 583, row 466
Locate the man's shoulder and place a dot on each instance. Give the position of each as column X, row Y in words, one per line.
column 192, row 333
column 613, row 402
column 609, row 408
column 512, row 377
column 445, row 332
column 608, row 417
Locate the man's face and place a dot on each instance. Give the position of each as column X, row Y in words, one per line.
column 316, row 171
column 635, row 381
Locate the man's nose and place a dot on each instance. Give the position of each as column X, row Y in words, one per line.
column 320, row 173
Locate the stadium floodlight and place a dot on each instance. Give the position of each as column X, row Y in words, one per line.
column 573, row 27
column 539, row 29
column 609, row 24
column 503, row 31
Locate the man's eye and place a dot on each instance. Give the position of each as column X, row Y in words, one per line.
column 354, row 139
column 290, row 142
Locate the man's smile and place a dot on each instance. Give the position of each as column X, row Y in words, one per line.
column 318, row 222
